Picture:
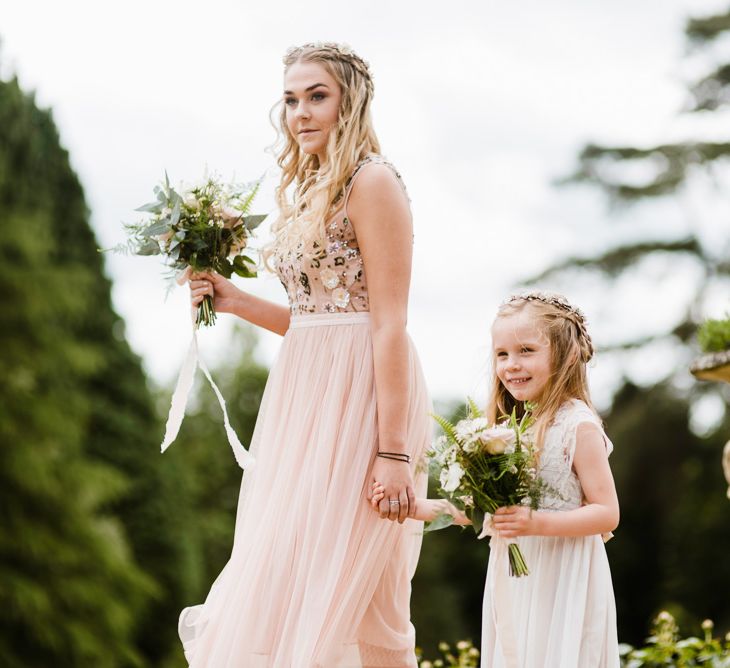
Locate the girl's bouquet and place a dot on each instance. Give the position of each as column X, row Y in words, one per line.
column 482, row 467
column 201, row 228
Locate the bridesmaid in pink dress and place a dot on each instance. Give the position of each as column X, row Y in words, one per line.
column 316, row 578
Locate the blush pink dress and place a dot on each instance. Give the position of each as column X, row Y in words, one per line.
column 316, row 578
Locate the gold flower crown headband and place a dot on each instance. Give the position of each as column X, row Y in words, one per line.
column 572, row 313
column 341, row 51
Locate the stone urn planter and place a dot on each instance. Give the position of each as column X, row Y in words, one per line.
column 716, row 366
column 712, row 366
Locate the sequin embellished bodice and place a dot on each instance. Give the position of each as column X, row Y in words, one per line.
column 331, row 277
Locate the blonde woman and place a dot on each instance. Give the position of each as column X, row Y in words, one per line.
column 316, row 578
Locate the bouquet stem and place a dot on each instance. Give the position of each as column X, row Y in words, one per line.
column 206, row 312
column 517, row 565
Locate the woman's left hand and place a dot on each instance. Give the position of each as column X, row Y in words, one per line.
column 513, row 521
column 399, row 500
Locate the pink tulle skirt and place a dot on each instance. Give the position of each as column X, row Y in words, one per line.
column 315, row 577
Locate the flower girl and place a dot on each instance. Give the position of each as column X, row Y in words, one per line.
column 562, row 615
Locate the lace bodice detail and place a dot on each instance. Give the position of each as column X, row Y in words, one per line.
column 556, row 457
column 331, row 278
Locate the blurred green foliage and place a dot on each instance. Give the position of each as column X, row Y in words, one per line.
column 714, row 335
column 72, row 588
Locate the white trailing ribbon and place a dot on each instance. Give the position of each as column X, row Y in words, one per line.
column 180, row 400
column 501, row 599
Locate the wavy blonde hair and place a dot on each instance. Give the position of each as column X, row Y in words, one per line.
column 571, row 348
column 318, row 188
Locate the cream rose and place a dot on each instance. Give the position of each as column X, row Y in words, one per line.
column 497, row 439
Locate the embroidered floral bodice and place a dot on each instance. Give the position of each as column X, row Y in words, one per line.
column 331, row 279
column 556, row 457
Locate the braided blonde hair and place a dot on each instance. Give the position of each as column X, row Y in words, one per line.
column 319, row 187
column 571, row 348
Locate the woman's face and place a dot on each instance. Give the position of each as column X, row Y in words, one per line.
column 312, row 100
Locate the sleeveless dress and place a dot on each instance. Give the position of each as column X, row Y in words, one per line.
column 563, row 614
column 316, row 578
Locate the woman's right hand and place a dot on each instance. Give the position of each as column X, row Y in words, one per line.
column 225, row 295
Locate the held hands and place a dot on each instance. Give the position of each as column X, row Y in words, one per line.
column 223, row 292
column 508, row 522
column 426, row 510
column 397, row 500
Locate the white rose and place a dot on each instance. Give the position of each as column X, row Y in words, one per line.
column 451, row 478
column 497, row 439
column 191, row 201
column 467, row 428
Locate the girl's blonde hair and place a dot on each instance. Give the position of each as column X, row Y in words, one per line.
column 319, row 187
column 571, row 349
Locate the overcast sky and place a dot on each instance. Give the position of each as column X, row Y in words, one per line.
column 481, row 106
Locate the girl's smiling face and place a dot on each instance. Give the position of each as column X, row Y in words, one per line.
column 522, row 356
column 312, row 99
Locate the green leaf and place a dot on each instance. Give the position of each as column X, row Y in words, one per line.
column 252, row 222
column 474, row 410
column 175, row 217
column 448, row 428
column 242, row 269
column 245, row 273
column 151, row 207
column 149, row 248
column 477, row 520
column 225, row 269
column 441, row 522
column 160, row 227
column 246, row 204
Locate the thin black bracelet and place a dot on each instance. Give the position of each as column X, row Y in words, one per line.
column 397, row 456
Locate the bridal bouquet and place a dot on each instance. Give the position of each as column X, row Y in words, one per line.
column 203, row 228
column 200, row 228
column 482, row 467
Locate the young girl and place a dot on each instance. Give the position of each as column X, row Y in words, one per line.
column 315, row 578
column 563, row 614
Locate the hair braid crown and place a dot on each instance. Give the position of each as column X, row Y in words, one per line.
column 570, row 312
column 334, row 51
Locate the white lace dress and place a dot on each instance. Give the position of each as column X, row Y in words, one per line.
column 562, row 615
